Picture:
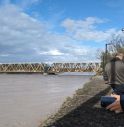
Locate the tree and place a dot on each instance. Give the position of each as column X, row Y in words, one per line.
column 116, row 45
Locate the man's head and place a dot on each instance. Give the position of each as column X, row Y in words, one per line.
column 120, row 54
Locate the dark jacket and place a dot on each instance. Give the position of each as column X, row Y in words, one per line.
column 114, row 68
column 122, row 101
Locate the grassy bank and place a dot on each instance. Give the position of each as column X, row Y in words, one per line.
column 83, row 109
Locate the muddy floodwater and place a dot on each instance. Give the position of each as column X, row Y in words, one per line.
column 28, row 99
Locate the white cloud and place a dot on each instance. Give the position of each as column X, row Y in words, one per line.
column 18, row 27
column 23, row 38
column 22, row 35
column 87, row 24
column 87, row 29
column 52, row 52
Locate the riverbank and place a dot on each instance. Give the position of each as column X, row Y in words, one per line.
column 84, row 110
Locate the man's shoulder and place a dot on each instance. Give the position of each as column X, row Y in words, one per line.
column 108, row 64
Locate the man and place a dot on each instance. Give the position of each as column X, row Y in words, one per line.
column 114, row 75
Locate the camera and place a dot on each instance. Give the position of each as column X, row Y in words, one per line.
column 107, row 100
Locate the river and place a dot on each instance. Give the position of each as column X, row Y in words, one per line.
column 28, row 99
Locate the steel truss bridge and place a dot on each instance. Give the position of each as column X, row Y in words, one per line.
column 53, row 68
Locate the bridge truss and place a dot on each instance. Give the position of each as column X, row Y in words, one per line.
column 53, row 68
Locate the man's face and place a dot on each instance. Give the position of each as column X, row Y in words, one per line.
column 121, row 56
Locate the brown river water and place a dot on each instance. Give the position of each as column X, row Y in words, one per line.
column 28, row 99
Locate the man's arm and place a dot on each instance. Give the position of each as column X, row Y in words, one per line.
column 105, row 76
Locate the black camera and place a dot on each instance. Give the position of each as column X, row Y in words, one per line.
column 107, row 100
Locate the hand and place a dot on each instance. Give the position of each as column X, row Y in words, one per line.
column 106, row 82
column 115, row 106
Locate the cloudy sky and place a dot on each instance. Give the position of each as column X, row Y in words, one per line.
column 57, row 30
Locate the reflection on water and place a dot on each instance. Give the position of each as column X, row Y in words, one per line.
column 25, row 100
column 78, row 73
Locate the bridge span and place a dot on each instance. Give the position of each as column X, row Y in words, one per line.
column 52, row 68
